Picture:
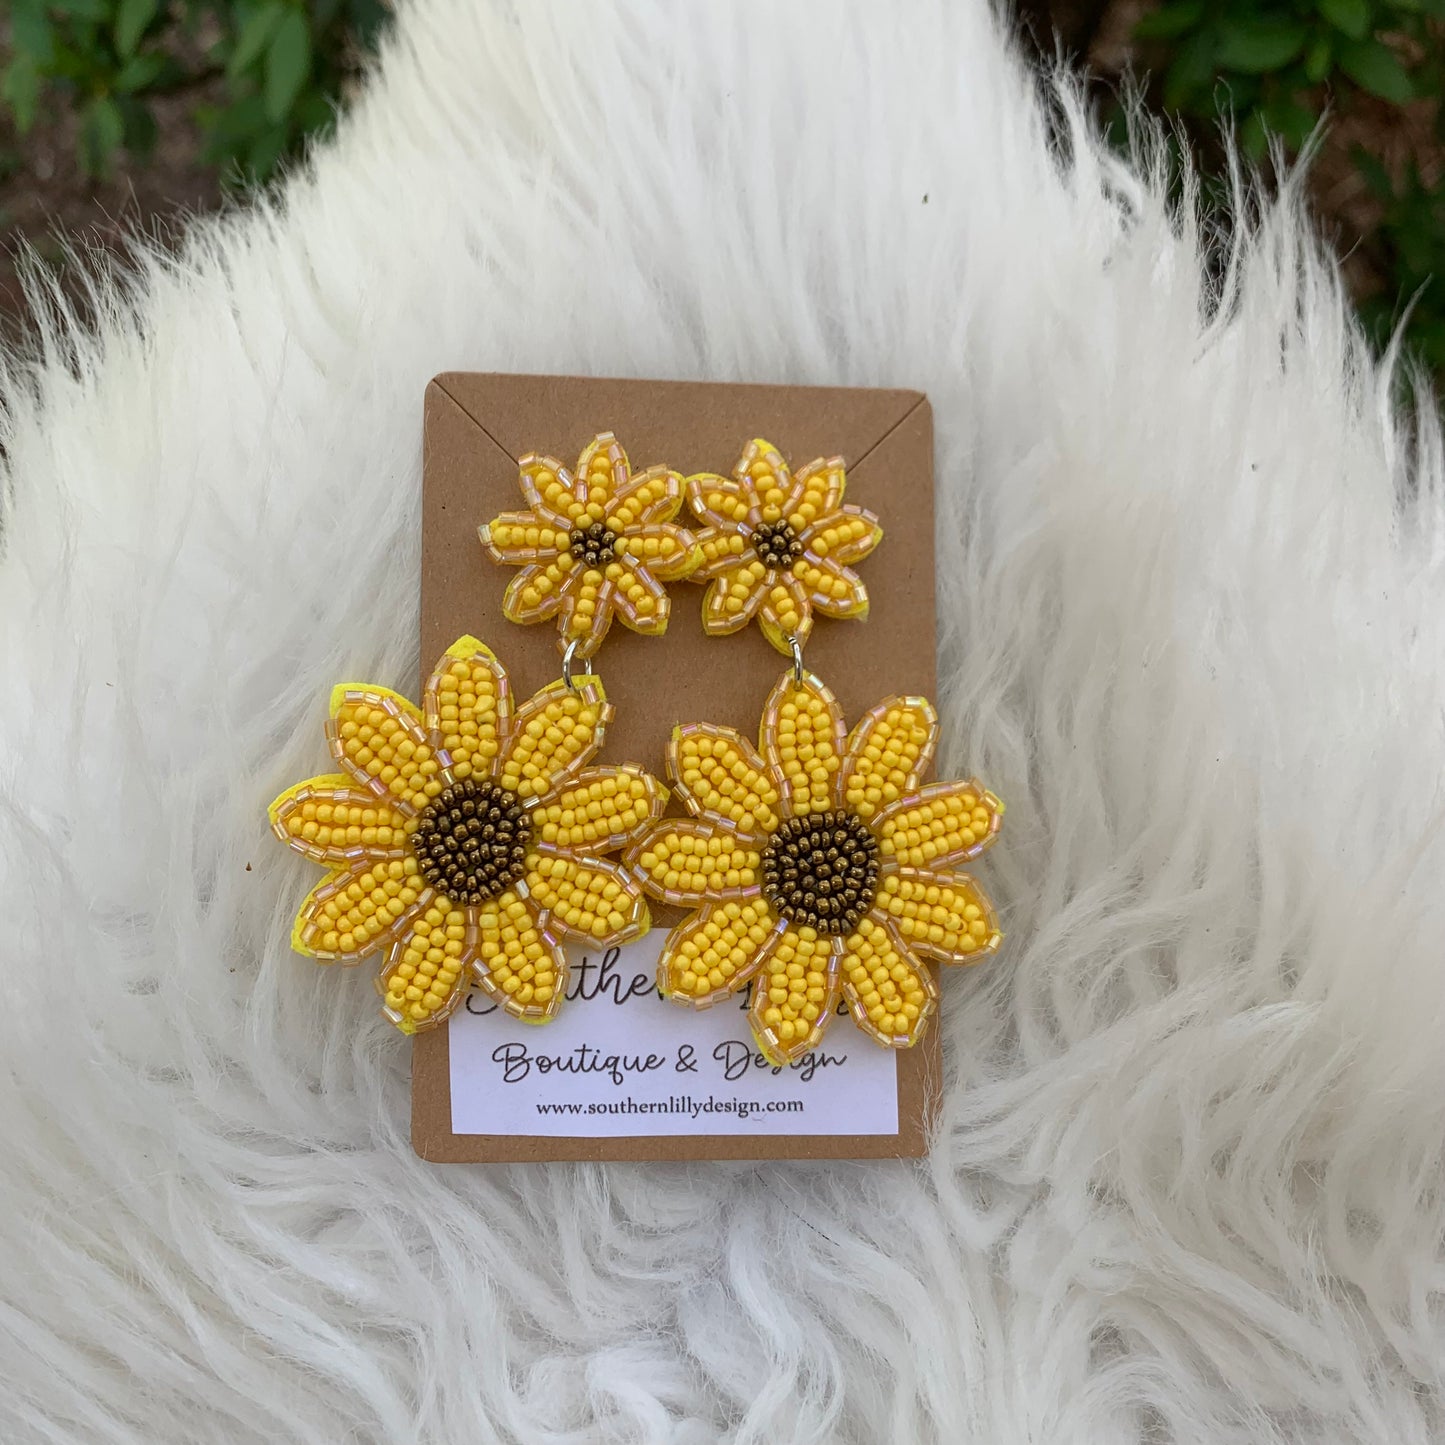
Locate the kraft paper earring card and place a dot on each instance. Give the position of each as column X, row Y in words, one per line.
column 575, row 503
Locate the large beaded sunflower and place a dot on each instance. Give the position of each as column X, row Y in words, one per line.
column 593, row 544
column 462, row 838
column 821, row 866
column 775, row 545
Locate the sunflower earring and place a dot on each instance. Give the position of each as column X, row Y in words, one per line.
column 594, row 544
column 818, row 865
column 466, row 839
column 778, row 547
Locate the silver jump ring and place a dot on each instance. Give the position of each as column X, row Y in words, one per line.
column 568, row 656
column 797, row 659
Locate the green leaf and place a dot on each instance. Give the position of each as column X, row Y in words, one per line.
column 131, row 19
column 30, row 31
column 1373, row 66
column 288, row 63
column 1351, row 17
column 140, row 126
column 20, row 88
column 1169, row 21
column 1290, row 121
column 230, row 130
column 140, row 72
column 1317, row 59
column 315, row 113
column 254, row 37
column 1189, row 80
column 80, row 9
column 1254, row 46
column 82, row 68
column 266, row 150
column 101, row 131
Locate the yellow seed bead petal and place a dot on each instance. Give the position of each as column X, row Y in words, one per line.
column 641, row 600
column 585, row 895
column 782, row 601
column 817, row 491
column 668, row 551
column 946, row 823
column 587, row 609
column 553, row 735
column 802, row 737
column 378, row 738
column 718, row 548
column 535, row 593
column 794, row 994
column 761, row 469
column 842, row 537
column 833, row 590
column 714, row 952
column 549, row 488
column 733, row 597
column 890, row 993
column 420, row 984
column 720, row 775
column 686, row 862
column 519, row 965
column 519, row 538
column 647, row 497
column 467, row 707
column 887, row 751
column 931, row 913
column 352, row 913
column 721, row 501
column 601, row 809
column 333, row 821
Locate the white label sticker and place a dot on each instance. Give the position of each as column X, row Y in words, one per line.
column 619, row 1061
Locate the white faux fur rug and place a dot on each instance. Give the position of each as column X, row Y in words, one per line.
column 1188, row 1185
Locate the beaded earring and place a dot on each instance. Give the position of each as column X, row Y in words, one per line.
column 463, row 839
column 778, row 547
column 466, row 839
column 594, row 544
column 818, row 864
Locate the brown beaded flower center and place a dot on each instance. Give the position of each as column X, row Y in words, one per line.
column 777, row 544
column 594, row 546
column 472, row 841
column 821, row 871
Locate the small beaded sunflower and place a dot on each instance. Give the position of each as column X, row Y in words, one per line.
column 775, row 546
column 593, row 545
column 821, row 866
column 462, row 838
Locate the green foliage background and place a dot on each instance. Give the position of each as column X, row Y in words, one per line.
column 1276, row 66
column 280, row 65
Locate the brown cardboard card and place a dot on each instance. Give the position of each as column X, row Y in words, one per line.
column 707, row 1099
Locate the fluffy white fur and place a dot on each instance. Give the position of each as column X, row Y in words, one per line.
column 1188, row 1181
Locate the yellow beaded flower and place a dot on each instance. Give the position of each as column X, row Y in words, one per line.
column 775, row 546
column 593, row 545
column 462, row 838
column 821, row 866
